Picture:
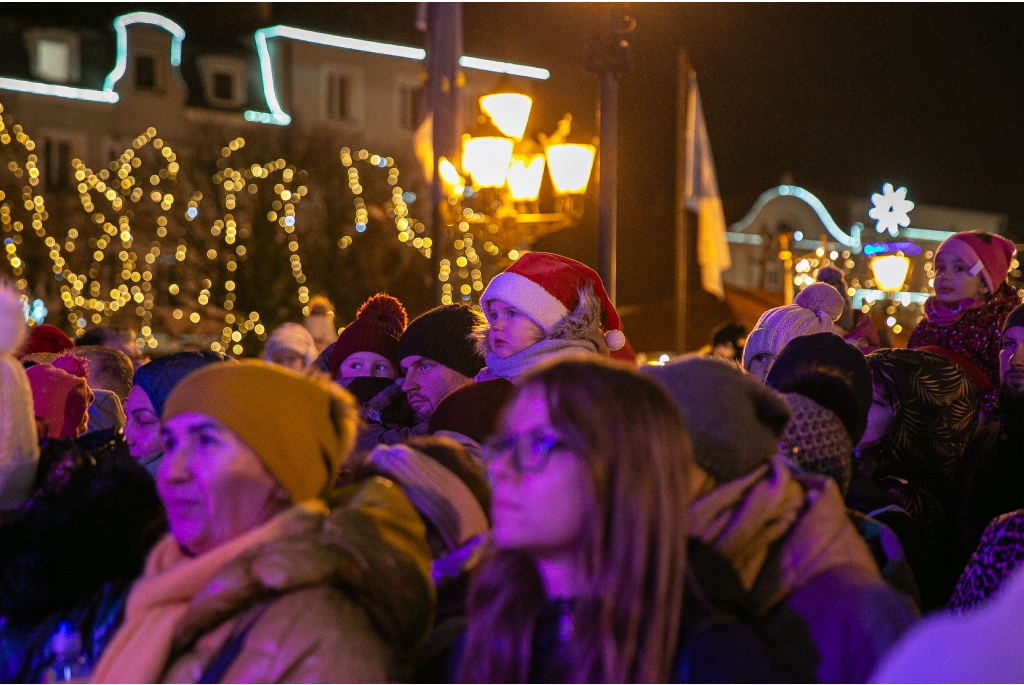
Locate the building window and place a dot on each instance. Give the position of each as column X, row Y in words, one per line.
column 53, row 60
column 58, row 164
column 223, row 86
column 339, row 97
column 145, row 72
column 409, row 106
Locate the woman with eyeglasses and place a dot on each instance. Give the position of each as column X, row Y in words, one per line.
column 585, row 578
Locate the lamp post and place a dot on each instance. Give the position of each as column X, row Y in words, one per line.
column 608, row 56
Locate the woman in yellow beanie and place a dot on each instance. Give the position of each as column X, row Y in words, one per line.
column 257, row 581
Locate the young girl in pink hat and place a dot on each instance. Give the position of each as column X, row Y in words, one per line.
column 971, row 299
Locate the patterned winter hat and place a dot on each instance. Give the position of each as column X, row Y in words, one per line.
column 986, row 254
column 546, row 288
column 818, row 441
column 59, row 397
column 379, row 324
column 814, row 311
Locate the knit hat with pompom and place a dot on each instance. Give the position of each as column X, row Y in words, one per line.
column 814, row 311
column 379, row 324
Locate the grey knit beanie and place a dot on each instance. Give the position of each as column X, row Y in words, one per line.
column 734, row 421
column 814, row 311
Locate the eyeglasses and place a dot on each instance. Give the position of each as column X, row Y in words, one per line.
column 530, row 453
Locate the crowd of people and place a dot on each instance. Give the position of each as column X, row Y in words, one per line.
column 499, row 494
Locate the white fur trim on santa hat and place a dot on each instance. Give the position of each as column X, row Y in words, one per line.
column 527, row 296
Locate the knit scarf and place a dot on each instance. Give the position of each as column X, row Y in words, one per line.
column 157, row 602
column 778, row 531
column 942, row 314
column 521, row 362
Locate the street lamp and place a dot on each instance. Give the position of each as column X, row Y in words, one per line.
column 890, row 272
column 493, row 194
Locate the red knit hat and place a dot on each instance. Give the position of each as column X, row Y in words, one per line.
column 986, row 253
column 45, row 338
column 546, row 288
column 59, row 397
column 379, row 324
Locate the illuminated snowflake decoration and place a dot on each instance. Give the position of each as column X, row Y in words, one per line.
column 890, row 210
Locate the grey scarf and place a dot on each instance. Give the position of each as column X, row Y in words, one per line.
column 521, row 362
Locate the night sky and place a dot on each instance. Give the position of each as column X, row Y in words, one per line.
column 842, row 96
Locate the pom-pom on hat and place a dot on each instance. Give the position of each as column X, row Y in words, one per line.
column 814, row 311
column 985, row 253
column 546, row 288
column 379, row 324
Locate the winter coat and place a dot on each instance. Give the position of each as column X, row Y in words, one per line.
column 976, row 335
column 999, row 554
column 72, row 552
column 788, row 536
column 342, row 601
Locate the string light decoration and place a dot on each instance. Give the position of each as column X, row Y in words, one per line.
column 142, row 228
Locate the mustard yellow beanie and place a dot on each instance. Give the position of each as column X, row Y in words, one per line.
column 300, row 428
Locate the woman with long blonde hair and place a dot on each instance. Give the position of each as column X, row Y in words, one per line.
column 585, row 578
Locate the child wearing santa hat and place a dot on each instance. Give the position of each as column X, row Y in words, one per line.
column 971, row 299
column 545, row 305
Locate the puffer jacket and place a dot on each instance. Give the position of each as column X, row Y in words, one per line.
column 340, row 602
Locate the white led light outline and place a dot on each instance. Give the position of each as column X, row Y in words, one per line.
column 278, row 116
column 851, row 241
column 504, row 68
column 120, row 26
column 52, row 89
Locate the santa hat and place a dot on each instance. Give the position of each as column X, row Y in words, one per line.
column 546, row 287
column 379, row 324
column 984, row 253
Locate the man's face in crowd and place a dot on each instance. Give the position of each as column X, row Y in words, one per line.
column 1011, row 362
column 426, row 383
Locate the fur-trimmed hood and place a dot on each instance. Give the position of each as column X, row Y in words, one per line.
column 582, row 323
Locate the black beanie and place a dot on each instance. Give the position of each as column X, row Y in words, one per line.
column 1016, row 318
column 825, row 368
column 443, row 335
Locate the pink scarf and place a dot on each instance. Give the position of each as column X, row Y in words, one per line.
column 942, row 314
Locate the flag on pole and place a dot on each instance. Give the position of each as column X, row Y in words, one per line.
column 700, row 193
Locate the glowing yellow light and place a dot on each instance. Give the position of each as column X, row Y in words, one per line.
column 508, row 111
column 487, row 159
column 450, row 177
column 570, row 165
column 525, row 176
column 890, row 271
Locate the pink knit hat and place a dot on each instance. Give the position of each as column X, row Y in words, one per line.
column 60, row 397
column 987, row 254
column 545, row 287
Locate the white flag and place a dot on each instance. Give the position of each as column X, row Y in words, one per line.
column 701, row 196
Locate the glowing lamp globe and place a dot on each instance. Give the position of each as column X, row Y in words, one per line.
column 450, row 177
column 508, row 111
column 570, row 165
column 487, row 160
column 890, row 272
column 524, row 177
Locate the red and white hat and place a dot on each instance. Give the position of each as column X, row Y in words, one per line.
column 546, row 287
